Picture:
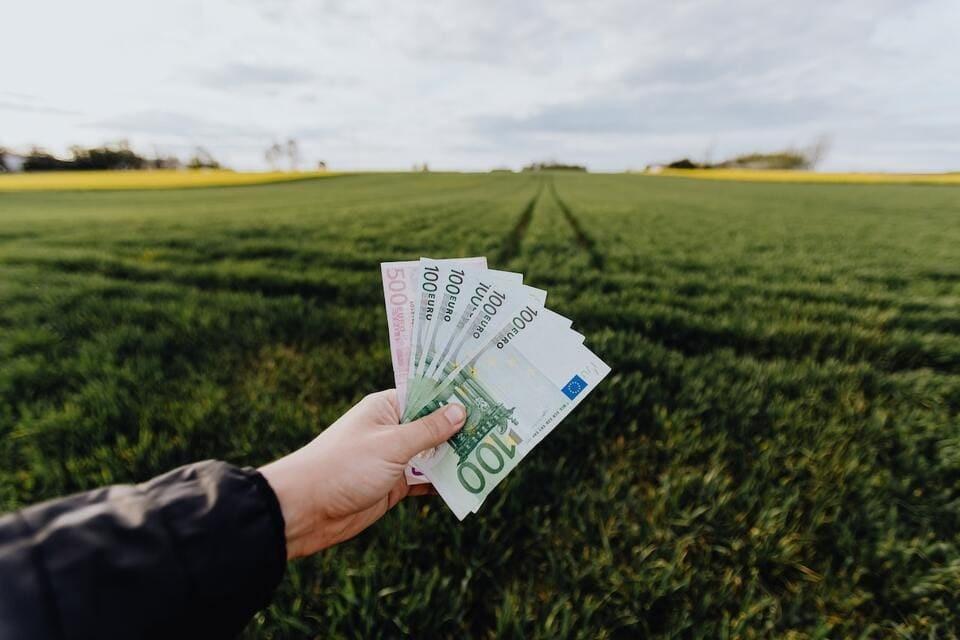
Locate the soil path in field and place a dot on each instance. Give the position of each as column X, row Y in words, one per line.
column 583, row 239
column 514, row 239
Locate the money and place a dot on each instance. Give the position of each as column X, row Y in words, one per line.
column 474, row 288
column 401, row 297
column 489, row 343
column 493, row 302
column 516, row 392
column 399, row 283
column 441, row 291
column 488, row 314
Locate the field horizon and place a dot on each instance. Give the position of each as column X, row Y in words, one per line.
column 775, row 453
column 149, row 179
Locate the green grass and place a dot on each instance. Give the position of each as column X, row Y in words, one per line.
column 776, row 453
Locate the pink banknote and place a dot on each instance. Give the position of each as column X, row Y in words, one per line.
column 399, row 296
column 399, row 289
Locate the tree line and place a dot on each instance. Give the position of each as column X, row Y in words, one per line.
column 109, row 157
column 119, row 156
column 791, row 158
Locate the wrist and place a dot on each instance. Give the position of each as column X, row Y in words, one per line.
column 281, row 475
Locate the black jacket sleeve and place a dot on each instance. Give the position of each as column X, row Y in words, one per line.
column 193, row 553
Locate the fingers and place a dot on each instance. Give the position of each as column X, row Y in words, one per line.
column 429, row 431
column 382, row 406
column 387, row 395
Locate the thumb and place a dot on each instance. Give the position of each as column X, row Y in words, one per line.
column 429, row 431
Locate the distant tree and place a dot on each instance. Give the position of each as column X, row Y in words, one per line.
column 273, row 154
column 110, row 157
column 38, row 159
column 202, row 159
column 789, row 159
column 165, row 162
column 114, row 156
column 553, row 165
column 708, row 152
column 293, row 154
column 818, row 150
column 684, row 163
column 3, row 160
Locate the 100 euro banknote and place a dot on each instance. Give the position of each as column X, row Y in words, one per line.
column 516, row 390
column 495, row 301
column 443, row 289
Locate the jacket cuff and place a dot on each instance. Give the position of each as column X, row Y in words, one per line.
column 228, row 533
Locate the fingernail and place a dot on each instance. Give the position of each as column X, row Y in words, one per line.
column 455, row 413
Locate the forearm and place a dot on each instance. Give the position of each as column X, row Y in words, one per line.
column 192, row 553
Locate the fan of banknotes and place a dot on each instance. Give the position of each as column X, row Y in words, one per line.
column 460, row 332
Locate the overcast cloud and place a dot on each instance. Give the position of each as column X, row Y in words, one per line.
column 472, row 85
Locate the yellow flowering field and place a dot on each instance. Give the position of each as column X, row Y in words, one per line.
column 154, row 179
column 753, row 175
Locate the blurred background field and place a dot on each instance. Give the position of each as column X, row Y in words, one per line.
column 776, row 453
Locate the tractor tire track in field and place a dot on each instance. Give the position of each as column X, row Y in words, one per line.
column 511, row 243
column 583, row 239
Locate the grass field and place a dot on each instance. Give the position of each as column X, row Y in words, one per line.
column 776, row 453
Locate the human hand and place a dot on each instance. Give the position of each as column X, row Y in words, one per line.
column 351, row 474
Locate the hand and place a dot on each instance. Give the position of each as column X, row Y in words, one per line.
column 352, row 473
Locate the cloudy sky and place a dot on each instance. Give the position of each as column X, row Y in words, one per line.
column 473, row 85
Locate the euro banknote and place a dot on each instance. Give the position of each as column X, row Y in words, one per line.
column 495, row 307
column 444, row 288
column 516, row 391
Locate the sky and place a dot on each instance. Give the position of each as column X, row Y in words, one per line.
column 476, row 85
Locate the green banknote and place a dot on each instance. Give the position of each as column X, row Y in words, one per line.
column 516, row 390
column 497, row 296
column 491, row 317
column 435, row 279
